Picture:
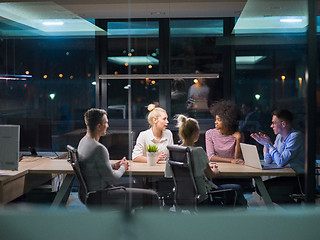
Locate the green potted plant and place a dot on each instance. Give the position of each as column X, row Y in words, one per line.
column 152, row 148
column 152, row 155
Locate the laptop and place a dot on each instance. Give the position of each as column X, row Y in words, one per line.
column 251, row 157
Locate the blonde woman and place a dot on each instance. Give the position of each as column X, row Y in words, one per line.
column 189, row 134
column 157, row 134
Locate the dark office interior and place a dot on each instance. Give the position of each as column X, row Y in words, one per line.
column 123, row 55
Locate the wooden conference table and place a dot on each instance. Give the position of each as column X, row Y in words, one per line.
column 238, row 170
column 15, row 183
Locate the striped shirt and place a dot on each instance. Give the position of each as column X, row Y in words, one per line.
column 220, row 145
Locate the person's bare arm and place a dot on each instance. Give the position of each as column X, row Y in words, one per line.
column 237, row 152
column 215, row 158
column 140, row 159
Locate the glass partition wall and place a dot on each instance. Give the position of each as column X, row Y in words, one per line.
column 262, row 70
column 48, row 78
column 260, row 58
column 257, row 57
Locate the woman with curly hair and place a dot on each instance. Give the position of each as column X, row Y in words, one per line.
column 223, row 142
column 189, row 134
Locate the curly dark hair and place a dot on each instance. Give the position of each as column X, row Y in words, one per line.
column 229, row 113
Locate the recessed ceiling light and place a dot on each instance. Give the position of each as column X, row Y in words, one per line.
column 42, row 16
column 14, row 77
column 53, row 23
column 291, row 20
column 134, row 60
column 258, row 17
column 249, row 59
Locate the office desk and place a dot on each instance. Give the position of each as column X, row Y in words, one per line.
column 141, row 169
column 239, row 170
column 56, row 166
column 47, row 165
column 226, row 170
column 14, row 184
column 61, row 166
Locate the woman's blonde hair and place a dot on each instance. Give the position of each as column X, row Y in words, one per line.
column 187, row 126
column 154, row 112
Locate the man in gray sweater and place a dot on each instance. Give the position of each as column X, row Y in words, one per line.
column 99, row 173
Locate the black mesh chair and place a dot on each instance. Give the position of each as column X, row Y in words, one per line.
column 186, row 192
column 93, row 198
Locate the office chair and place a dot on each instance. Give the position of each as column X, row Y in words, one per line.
column 300, row 197
column 186, row 192
column 92, row 198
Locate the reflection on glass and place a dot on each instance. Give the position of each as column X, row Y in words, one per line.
column 193, row 46
column 195, row 96
column 143, row 55
column 58, row 90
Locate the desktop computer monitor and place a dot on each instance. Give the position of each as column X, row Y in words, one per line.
column 35, row 133
column 9, row 147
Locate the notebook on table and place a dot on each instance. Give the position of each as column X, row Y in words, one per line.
column 251, row 157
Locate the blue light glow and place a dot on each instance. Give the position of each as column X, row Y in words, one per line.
column 54, row 23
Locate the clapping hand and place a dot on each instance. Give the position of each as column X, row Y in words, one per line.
column 261, row 138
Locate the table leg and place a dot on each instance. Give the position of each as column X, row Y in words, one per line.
column 63, row 194
column 263, row 191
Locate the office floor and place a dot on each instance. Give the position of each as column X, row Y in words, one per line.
column 254, row 202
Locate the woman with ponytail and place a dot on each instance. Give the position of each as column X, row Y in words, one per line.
column 189, row 134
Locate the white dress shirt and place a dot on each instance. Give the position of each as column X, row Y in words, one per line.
column 146, row 138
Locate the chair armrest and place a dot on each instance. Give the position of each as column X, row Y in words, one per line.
column 220, row 196
column 220, row 191
column 93, row 198
column 107, row 190
column 176, row 163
